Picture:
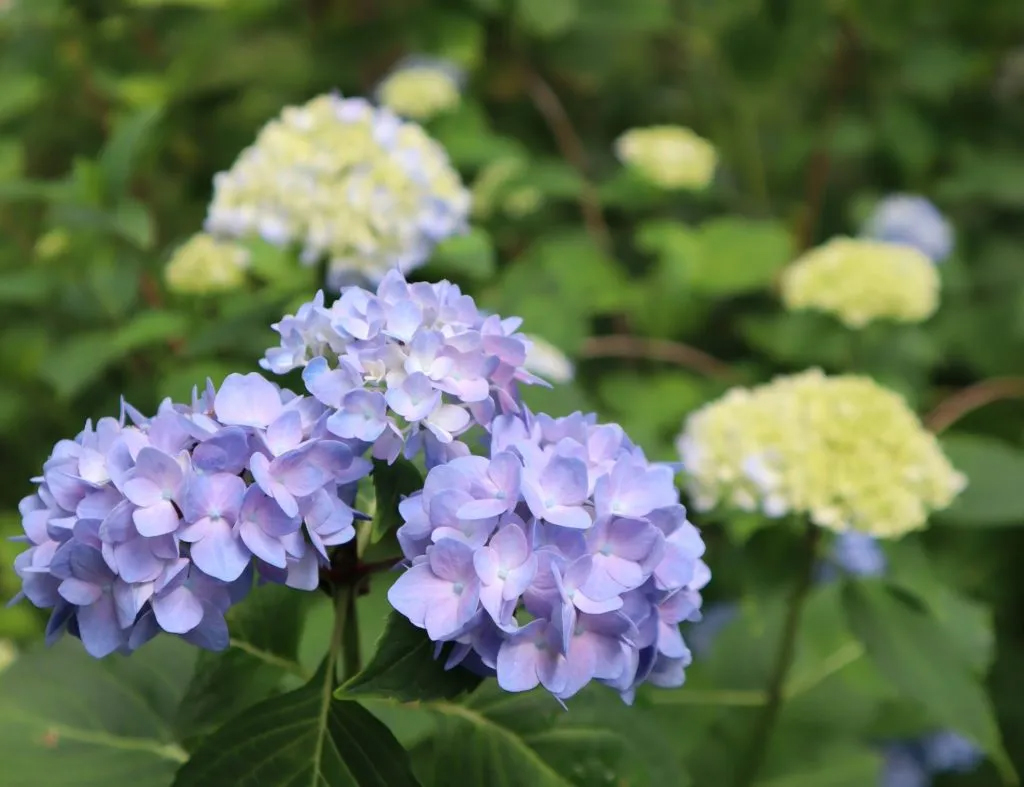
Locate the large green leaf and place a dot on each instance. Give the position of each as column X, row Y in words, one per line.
column 68, row 719
column 514, row 740
column 265, row 630
column 994, row 493
column 304, row 737
column 470, row 255
column 404, row 668
column 915, row 653
column 840, row 765
column 122, row 149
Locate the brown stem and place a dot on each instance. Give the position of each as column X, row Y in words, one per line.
column 956, row 406
column 625, row 346
column 572, row 149
column 821, row 160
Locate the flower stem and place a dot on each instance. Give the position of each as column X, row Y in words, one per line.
column 350, row 657
column 784, row 660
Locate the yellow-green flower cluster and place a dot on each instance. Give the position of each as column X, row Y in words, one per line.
column 204, row 265
column 420, row 90
column 859, row 281
column 344, row 180
column 671, row 157
column 842, row 451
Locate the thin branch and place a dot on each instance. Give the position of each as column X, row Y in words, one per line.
column 955, row 407
column 572, row 149
column 625, row 346
column 821, row 160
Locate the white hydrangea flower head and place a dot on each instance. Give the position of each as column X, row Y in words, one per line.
column 346, row 181
column 672, row 157
column 860, row 281
column 841, row 450
column 421, row 88
column 204, row 265
column 547, row 361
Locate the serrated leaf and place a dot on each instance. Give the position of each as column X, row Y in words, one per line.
column 994, row 493
column 68, row 720
column 302, row 738
column 403, row 668
column 915, row 654
column 392, row 483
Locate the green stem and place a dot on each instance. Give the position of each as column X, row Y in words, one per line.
column 784, row 660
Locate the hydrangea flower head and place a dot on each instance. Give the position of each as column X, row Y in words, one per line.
column 859, row 554
column 408, row 368
column 859, row 281
column 841, row 450
column 346, row 181
column 160, row 523
column 421, row 88
column 204, row 264
column 913, row 221
column 562, row 557
column 671, row 157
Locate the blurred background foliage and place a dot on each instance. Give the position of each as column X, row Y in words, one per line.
column 116, row 114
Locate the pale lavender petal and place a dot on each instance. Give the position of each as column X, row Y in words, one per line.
column 247, row 400
column 178, row 611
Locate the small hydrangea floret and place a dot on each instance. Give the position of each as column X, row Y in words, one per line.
column 561, row 558
column 205, row 264
column 843, row 451
column 860, row 281
column 146, row 524
column 421, row 87
column 913, row 221
column 671, row 157
column 409, row 368
column 346, row 181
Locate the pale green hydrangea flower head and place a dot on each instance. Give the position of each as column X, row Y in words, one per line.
column 204, row 265
column 671, row 157
column 842, row 451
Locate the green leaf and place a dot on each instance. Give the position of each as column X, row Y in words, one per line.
column 68, row 720
column 25, row 286
column 994, row 493
column 117, row 160
column 132, row 221
column 18, row 94
column 547, row 17
column 392, row 483
column 739, row 255
column 513, row 740
column 916, row 655
column 839, row 765
column 470, row 255
column 303, row 738
column 265, row 631
column 403, row 668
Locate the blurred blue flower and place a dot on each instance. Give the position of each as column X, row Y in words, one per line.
column 948, row 751
column 913, row 221
column 903, row 767
column 702, row 634
column 859, row 554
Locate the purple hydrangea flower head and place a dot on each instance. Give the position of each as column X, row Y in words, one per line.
column 407, row 369
column 563, row 557
column 141, row 525
column 913, row 221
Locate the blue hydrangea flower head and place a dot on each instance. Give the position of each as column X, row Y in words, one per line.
column 562, row 557
column 948, row 751
column 141, row 525
column 408, row 368
column 913, row 221
column 903, row 767
column 859, row 554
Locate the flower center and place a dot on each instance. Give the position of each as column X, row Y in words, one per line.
column 457, row 588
